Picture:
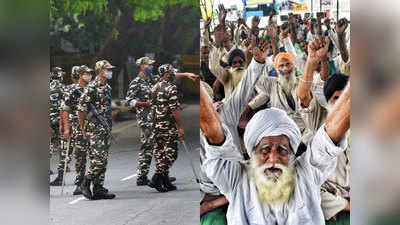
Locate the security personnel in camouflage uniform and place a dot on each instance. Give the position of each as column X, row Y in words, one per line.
column 55, row 95
column 66, row 89
column 97, row 93
column 75, row 74
column 138, row 96
column 166, row 113
column 72, row 130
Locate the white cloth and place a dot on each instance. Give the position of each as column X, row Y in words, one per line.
column 228, row 80
column 224, row 168
column 270, row 91
column 337, row 188
column 271, row 122
column 229, row 113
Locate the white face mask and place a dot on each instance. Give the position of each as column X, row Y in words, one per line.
column 107, row 75
column 87, row 78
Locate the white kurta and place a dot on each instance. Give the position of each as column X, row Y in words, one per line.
column 229, row 113
column 223, row 166
column 337, row 188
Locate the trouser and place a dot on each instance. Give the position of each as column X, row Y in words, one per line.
column 165, row 151
column 342, row 218
column 55, row 143
column 99, row 145
column 81, row 147
column 214, row 217
column 146, row 152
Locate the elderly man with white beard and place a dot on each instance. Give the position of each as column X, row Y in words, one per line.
column 229, row 113
column 335, row 192
column 275, row 187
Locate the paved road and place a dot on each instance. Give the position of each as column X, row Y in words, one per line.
column 133, row 204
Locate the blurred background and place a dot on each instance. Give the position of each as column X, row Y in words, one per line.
column 121, row 31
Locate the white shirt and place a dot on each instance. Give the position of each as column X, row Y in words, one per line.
column 223, row 166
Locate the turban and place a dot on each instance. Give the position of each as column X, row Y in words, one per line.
column 271, row 122
column 283, row 55
column 235, row 52
column 336, row 82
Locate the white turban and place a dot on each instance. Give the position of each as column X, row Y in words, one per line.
column 271, row 122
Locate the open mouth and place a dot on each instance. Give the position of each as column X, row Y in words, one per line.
column 273, row 171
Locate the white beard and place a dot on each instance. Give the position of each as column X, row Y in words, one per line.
column 236, row 74
column 288, row 84
column 273, row 189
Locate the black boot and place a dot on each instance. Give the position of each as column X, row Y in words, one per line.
column 99, row 192
column 85, row 188
column 168, row 184
column 142, row 181
column 77, row 190
column 157, row 183
column 58, row 180
column 172, row 179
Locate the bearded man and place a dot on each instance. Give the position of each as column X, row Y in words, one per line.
column 280, row 92
column 275, row 187
column 231, row 76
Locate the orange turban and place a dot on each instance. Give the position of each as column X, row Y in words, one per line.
column 283, row 55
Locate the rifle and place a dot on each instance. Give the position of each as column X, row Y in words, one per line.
column 96, row 113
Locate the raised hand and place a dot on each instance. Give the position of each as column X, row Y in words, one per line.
column 260, row 51
column 221, row 14
column 341, row 26
column 284, row 30
column 272, row 31
column 219, row 35
column 318, row 49
column 232, row 26
column 207, row 23
column 254, row 22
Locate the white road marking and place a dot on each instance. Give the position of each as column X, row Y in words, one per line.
column 129, row 177
column 76, row 200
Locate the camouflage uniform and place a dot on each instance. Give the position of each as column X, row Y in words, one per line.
column 99, row 95
column 70, row 103
column 140, row 90
column 55, row 94
column 165, row 132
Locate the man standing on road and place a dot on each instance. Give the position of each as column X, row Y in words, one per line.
column 97, row 94
column 70, row 113
column 55, row 95
column 58, row 180
column 138, row 96
column 166, row 118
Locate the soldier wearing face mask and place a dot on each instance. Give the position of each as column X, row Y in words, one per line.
column 138, row 96
column 98, row 94
column 70, row 128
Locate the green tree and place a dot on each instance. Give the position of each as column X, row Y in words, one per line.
column 119, row 28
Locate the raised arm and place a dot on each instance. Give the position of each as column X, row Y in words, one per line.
column 317, row 51
column 215, row 56
column 190, row 76
column 340, row 30
column 272, row 32
column 210, row 124
column 338, row 120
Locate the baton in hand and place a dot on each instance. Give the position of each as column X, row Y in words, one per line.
column 190, row 159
